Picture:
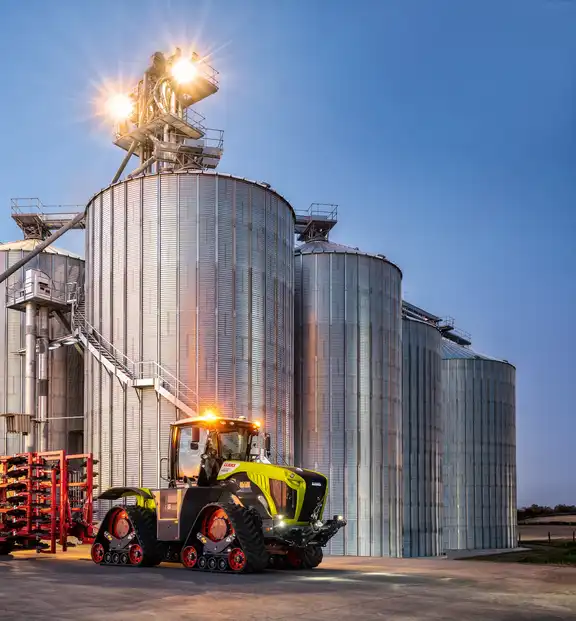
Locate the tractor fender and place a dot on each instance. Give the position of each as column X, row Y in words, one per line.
column 144, row 497
column 194, row 504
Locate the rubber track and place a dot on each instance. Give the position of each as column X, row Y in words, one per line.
column 248, row 529
column 144, row 523
column 312, row 557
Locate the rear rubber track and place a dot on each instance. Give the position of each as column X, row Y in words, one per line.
column 144, row 524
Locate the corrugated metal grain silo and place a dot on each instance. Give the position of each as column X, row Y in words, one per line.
column 479, row 470
column 191, row 280
column 348, row 390
column 422, row 438
column 65, row 370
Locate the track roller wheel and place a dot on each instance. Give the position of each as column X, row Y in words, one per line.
column 136, row 555
column 222, row 564
column 108, row 558
column 97, row 553
column 202, row 562
column 124, row 559
column 237, row 560
column 189, row 557
column 116, row 558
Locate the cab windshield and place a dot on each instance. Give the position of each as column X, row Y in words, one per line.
column 235, row 444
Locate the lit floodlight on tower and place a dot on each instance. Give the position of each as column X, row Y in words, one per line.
column 155, row 121
column 119, row 106
column 184, row 71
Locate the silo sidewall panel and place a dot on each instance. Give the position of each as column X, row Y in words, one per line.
column 348, row 414
column 480, row 454
column 422, row 438
column 198, row 279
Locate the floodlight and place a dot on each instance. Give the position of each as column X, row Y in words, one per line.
column 184, row 71
column 119, row 106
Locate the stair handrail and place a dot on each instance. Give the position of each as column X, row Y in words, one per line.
column 176, row 385
column 80, row 322
column 136, row 370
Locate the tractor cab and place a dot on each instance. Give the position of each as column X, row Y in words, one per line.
column 200, row 445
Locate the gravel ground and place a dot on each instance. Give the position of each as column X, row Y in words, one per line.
column 70, row 586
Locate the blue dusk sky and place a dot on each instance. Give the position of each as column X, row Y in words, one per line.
column 444, row 129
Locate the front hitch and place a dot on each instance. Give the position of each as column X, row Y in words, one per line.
column 317, row 533
column 323, row 532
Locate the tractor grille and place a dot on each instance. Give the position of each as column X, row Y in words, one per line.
column 284, row 498
column 315, row 492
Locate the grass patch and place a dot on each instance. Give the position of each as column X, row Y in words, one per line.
column 538, row 552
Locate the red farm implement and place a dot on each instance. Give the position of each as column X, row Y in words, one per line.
column 45, row 498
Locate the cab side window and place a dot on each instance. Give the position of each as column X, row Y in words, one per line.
column 189, row 452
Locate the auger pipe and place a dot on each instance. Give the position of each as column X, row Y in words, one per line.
column 42, row 246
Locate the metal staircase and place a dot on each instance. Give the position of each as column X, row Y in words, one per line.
column 138, row 375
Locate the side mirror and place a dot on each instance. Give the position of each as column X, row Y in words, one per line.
column 164, row 469
column 268, row 444
column 194, row 446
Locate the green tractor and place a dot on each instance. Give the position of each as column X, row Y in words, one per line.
column 226, row 507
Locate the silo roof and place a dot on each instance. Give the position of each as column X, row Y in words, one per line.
column 453, row 351
column 324, row 246
column 421, row 322
column 27, row 245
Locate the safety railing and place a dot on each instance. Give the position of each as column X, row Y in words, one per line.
column 39, row 285
column 134, row 370
column 169, row 381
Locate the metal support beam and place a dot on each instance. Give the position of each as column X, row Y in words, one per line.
column 40, row 247
column 43, row 340
column 140, row 169
column 66, row 325
column 124, row 162
column 30, row 373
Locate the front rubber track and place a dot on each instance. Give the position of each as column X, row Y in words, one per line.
column 247, row 527
column 312, row 556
